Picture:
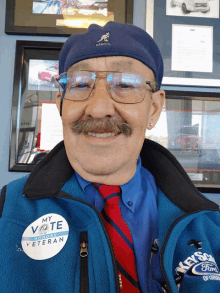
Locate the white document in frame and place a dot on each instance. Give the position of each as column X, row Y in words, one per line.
column 192, row 48
column 51, row 127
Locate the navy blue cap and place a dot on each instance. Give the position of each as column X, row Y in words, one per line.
column 113, row 39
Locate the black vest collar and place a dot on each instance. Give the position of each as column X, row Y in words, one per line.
column 54, row 170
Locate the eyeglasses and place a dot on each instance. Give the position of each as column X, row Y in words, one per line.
column 124, row 87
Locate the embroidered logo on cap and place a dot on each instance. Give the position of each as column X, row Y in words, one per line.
column 104, row 40
column 45, row 237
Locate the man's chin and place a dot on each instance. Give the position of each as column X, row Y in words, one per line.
column 95, row 171
column 110, row 171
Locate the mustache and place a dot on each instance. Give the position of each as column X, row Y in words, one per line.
column 106, row 124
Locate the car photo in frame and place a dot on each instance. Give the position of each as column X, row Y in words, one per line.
column 193, row 8
column 43, row 74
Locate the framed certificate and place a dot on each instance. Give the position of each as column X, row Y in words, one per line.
column 188, row 35
column 63, row 17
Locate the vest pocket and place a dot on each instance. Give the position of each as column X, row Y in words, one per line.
column 84, row 276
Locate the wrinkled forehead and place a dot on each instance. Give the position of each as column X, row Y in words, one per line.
column 112, row 63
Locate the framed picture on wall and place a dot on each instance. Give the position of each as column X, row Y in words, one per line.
column 188, row 35
column 189, row 127
column 63, row 17
column 35, row 85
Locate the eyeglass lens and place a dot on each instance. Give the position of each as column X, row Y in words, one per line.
column 124, row 87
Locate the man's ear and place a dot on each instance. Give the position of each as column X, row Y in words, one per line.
column 158, row 100
column 59, row 101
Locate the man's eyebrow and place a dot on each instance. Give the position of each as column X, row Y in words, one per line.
column 80, row 66
column 115, row 66
column 121, row 65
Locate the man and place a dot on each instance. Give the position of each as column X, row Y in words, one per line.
column 107, row 210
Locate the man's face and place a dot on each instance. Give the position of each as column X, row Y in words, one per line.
column 102, row 153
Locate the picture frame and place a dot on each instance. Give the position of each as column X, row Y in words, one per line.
column 189, row 128
column 42, row 17
column 188, row 40
column 35, row 73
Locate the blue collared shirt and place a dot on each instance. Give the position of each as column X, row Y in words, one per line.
column 138, row 205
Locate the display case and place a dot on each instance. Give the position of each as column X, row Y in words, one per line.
column 189, row 127
column 34, row 89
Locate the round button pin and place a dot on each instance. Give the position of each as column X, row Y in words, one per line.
column 45, row 237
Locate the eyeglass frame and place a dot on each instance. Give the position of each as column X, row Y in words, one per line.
column 153, row 89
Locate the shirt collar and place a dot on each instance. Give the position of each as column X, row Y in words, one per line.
column 130, row 190
column 82, row 182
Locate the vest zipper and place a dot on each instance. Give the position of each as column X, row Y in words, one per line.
column 84, row 276
column 67, row 196
column 154, row 249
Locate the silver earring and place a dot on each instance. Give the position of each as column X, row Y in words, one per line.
column 151, row 124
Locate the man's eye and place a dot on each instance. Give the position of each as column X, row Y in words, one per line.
column 79, row 85
column 124, row 86
column 82, row 85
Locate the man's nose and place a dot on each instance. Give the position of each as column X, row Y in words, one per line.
column 100, row 103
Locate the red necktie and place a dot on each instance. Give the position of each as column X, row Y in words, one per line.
column 121, row 239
